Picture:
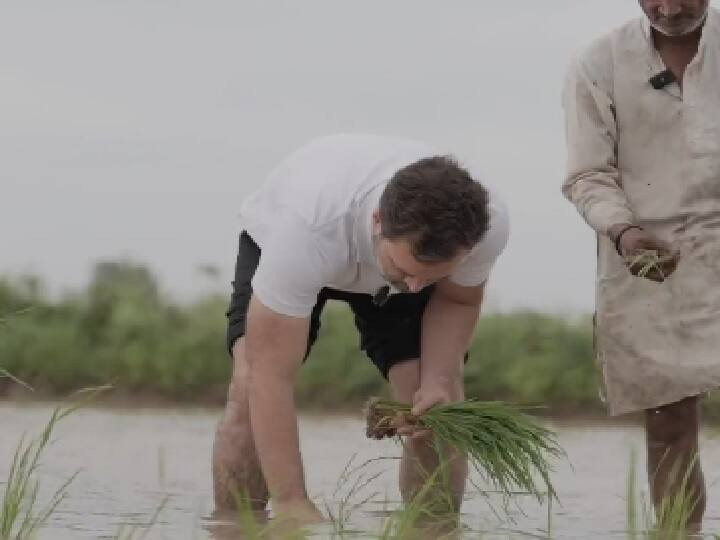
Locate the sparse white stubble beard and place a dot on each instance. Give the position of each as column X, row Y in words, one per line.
column 697, row 24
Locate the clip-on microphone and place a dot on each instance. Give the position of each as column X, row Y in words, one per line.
column 662, row 79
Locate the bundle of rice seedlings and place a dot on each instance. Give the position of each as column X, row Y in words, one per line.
column 647, row 261
column 506, row 446
column 651, row 263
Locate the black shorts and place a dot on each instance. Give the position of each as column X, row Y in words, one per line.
column 389, row 334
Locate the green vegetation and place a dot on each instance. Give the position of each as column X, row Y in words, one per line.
column 122, row 329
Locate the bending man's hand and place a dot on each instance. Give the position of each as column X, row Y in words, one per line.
column 427, row 396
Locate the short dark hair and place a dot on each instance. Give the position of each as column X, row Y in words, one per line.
column 437, row 205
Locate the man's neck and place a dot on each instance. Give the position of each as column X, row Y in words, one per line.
column 677, row 51
column 687, row 42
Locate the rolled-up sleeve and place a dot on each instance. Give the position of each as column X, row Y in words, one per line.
column 592, row 182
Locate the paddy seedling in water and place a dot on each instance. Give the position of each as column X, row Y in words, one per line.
column 20, row 516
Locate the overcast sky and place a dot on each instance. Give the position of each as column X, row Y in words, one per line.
column 135, row 128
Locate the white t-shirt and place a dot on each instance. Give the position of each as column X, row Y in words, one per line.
column 313, row 221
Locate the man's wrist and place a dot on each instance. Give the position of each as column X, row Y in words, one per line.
column 614, row 230
column 617, row 231
column 441, row 381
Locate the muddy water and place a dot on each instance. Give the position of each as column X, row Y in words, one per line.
column 130, row 463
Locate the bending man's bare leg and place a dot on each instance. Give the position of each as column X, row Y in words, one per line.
column 420, row 459
column 235, row 465
column 672, row 452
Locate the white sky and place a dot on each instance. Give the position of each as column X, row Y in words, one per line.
column 136, row 128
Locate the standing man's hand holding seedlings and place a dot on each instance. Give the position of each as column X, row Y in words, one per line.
column 644, row 253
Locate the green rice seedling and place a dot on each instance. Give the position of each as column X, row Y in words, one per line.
column 647, row 261
column 670, row 519
column 650, row 262
column 252, row 529
column 352, row 481
column 419, row 519
column 19, row 516
column 504, row 445
column 675, row 511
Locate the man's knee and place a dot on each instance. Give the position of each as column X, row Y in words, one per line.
column 673, row 424
column 404, row 380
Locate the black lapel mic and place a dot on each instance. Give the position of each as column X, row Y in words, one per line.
column 662, row 79
column 381, row 296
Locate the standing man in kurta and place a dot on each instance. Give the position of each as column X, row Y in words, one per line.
column 407, row 239
column 643, row 134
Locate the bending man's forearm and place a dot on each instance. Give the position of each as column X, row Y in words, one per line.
column 275, row 429
column 275, row 345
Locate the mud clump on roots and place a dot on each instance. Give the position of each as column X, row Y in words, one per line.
column 383, row 419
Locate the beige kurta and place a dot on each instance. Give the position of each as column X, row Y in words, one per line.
column 651, row 157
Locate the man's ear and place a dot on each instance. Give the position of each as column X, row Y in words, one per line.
column 377, row 229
